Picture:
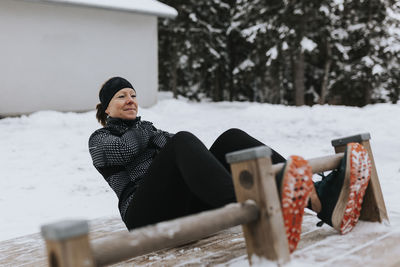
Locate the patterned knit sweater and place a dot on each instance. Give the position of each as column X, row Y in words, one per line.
column 122, row 152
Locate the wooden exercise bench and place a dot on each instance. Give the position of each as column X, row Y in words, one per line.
column 258, row 211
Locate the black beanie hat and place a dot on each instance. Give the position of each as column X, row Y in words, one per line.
column 110, row 88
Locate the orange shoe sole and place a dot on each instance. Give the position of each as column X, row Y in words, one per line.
column 358, row 173
column 296, row 187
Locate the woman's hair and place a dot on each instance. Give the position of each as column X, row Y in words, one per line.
column 101, row 115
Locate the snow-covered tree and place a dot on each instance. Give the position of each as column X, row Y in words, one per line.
column 359, row 64
column 193, row 49
column 292, row 51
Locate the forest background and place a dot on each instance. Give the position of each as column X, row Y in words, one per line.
column 293, row 52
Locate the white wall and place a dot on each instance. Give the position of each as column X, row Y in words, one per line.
column 56, row 57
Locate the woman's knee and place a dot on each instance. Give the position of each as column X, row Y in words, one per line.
column 233, row 131
column 231, row 134
column 183, row 136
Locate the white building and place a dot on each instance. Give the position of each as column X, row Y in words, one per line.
column 55, row 54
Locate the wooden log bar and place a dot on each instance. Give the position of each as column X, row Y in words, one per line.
column 122, row 246
column 318, row 165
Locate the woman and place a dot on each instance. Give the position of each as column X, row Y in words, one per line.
column 159, row 176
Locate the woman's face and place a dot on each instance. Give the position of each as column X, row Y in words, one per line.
column 123, row 105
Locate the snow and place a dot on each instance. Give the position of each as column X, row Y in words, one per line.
column 285, row 46
column 247, row 63
column 193, row 17
column 140, row 6
column 340, row 4
column 307, row 44
column 357, row 27
column 344, row 50
column 324, row 9
column 339, row 34
column 251, row 33
column 377, row 69
column 46, row 173
column 367, row 61
column 272, row 54
column 214, row 52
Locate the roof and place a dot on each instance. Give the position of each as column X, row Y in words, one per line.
column 149, row 7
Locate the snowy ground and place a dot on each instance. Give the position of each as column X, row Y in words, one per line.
column 46, row 173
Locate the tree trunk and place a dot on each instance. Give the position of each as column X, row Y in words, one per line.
column 174, row 77
column 275, row 94
column 299, row 79
column 369, row 88
column 327, row 68
column 368, row 93
column 217, row 93
column 231, row 62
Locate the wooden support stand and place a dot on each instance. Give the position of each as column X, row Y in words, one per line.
column 254, row 179
column 373, row 208
column 258, row 211
column 67, row 244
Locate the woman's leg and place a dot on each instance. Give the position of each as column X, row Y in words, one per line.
column 236, row 139
column 184, row 178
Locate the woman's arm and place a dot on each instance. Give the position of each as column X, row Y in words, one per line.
column 107, row 149
column 160, row 137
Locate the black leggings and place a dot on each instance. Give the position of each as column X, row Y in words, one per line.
column 186, row 178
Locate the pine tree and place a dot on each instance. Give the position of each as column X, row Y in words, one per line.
column 291, row 52
column 389, row 73
column 359, row 64
column 193, row 48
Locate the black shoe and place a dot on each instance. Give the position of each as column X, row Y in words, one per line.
column 341, row 192
column 294, row 186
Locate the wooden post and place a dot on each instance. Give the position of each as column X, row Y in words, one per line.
column 253, row 179
column 67, row 244
column 373, row 207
